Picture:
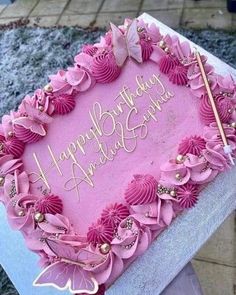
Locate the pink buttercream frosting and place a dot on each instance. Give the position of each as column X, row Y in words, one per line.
column 49, row 204
column 11, row 145
column 100, row 232
column 146, row 46
column 114, row 214
column 26, row 135
column 89, row 49
column 167, row 63
column 104, row 67
column 178, row 75
column 224, row 106
column 187, row 195
column 141, row 190
column 192, row 145
column 63, row 104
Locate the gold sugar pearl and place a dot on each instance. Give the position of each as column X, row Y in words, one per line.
column 178, row 176
column 48, row 88
column 162, row 44
column 10, row 133
column 41, row 108
column 2, row 180
column 21, row 213
column 173, row 193
column 167, row 50
column 233, row 124
column 105, row 248
column 39, row 217
column 179, row 159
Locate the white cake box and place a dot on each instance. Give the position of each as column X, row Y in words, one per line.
column 154, row 270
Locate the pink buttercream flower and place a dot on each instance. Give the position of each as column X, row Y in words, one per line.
column 20, row 212
column 226, row 84
column 15, row 184
column 55, row 224
column 157, row 214
column 182, row 51
column 175, row 174
column 114, row 214
column 141, row 190
column 60, row 84
column 100, row 232
column 200, row 170
column 7, row 125
column 192, row 145
column 132, row 239
column 151, row 30
column 79, row 79
column 109, row 269
column 187, row 195
column 196, row 82
column 214, row 152
column 8, row 165
column 43, row 101
column 194, row 168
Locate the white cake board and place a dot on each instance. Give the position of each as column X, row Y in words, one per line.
column 152, row 272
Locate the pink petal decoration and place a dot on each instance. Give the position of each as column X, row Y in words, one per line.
column 49, row 204
column 64, row 104
column 187, row 195
column 104, row 68
column 224, row 106
column 192, row 145
column 167, row 212
column 99, row 233
column 178, row 75
column 114, row 214
column 141, row 190
column 59, row 83
column 167, row 63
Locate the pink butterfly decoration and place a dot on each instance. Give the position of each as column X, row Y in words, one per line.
column 34, row 121
column 126, row 45
column 70, row 271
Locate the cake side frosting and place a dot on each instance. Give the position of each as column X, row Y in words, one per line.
column 172, row 156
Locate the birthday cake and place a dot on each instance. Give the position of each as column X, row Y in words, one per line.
column 96, row 164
